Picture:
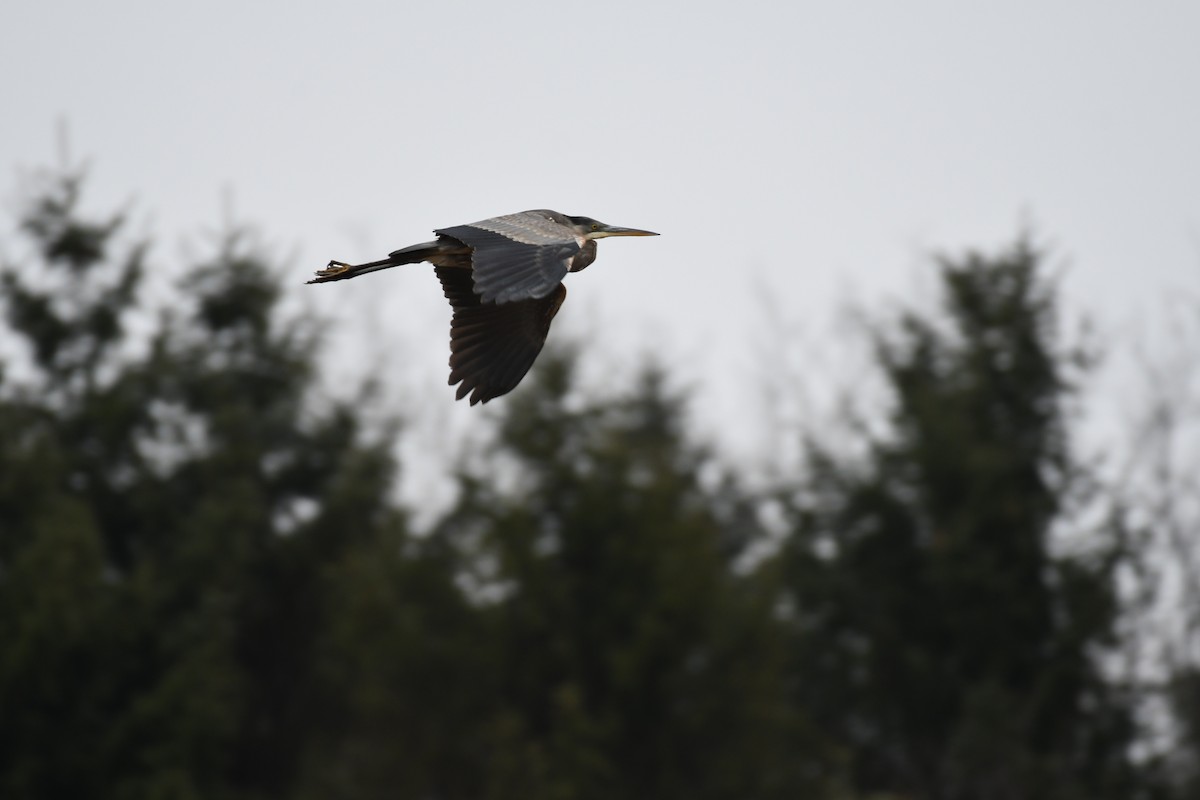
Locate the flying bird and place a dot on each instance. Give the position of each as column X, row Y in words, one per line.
column 503, row 278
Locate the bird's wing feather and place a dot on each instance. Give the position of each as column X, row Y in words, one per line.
column 493, row 346
column 516, row 257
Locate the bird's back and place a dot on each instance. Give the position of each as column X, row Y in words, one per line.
column 518, row 256
column 538, row 227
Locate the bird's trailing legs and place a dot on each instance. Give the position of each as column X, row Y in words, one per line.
column 340, row 270
column 439, row 252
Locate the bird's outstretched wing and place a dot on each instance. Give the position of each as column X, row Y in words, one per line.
column 517, row 256
column 493, row 346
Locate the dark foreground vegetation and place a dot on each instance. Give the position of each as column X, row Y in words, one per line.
column 208, row 589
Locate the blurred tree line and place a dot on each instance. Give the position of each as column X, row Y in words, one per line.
column 208, row 590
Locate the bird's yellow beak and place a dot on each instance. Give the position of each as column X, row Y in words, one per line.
column 613, row 230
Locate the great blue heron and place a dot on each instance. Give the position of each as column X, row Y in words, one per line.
column 503, row 277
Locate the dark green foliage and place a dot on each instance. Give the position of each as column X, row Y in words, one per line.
column 174, row 528
column 1184, row 698
column 954, row 651
column 632, row 660
column 207, row 589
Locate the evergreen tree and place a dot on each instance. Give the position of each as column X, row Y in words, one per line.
column 174, row 525
column 941, row 634
column 630, row 659
column 1183, row 695
column 206, row 590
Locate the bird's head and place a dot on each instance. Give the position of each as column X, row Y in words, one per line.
column 590, row 228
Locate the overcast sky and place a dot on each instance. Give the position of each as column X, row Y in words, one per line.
column 791, row 154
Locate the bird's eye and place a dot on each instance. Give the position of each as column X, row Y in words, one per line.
column 595, row 226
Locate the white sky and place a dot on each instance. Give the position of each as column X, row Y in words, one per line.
column 791, row 154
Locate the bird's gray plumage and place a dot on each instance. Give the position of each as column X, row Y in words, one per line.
column 503, row 278
column 518, row 256
column 493, row 345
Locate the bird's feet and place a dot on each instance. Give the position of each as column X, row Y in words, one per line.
column 334, row 269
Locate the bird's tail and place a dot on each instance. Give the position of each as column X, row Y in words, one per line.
column 340, row 270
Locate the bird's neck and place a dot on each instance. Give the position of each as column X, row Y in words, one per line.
column 585, row 256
